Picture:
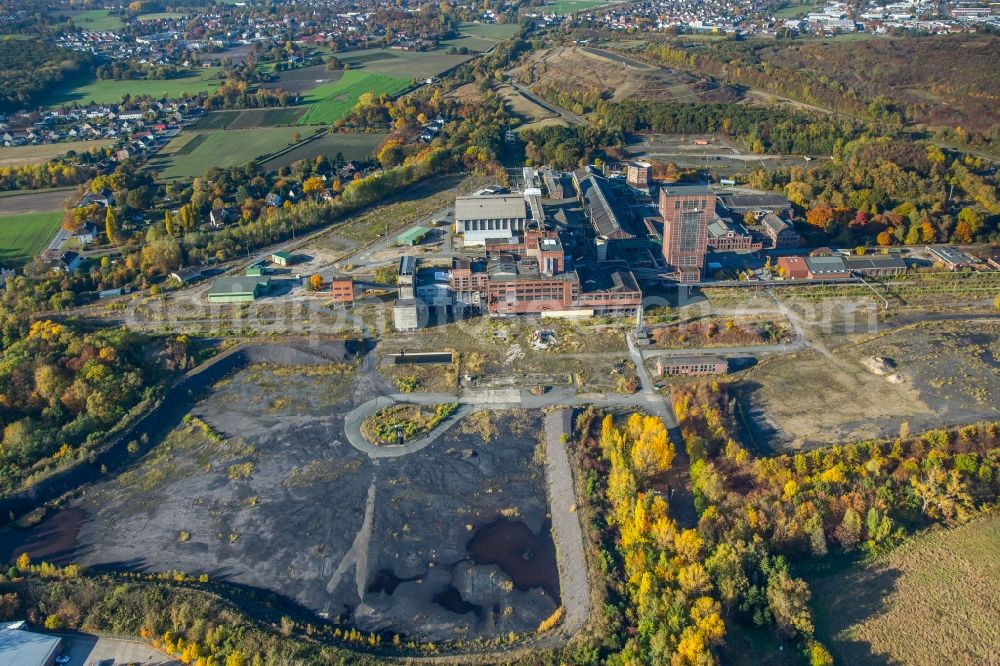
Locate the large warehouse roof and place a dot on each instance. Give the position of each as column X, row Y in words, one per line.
column 491, row 207
column 26, row 648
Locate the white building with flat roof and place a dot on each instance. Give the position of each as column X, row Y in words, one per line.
column 493, row 216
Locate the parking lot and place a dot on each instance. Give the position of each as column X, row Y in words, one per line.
column 88, row 650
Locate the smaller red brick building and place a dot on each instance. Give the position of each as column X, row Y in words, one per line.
column 793, row 268
column 691, row 365
column 342, row 290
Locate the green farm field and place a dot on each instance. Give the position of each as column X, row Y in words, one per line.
column 96, row 19
column 23, row 236
column 192, row 154
column 793, row 9
column 329, row 102
column 402, row 64
column 353, row 147
column 933, row 600
column 496, row 31
column 111, row 91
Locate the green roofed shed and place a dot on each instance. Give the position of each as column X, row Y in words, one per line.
column 239, row 289
column 281, row 258
column 412, row 236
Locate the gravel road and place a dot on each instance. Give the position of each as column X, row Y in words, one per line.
column 566, row 531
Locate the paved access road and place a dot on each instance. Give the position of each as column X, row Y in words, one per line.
column 86, row 649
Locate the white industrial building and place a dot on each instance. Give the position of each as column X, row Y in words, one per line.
column 495, row 216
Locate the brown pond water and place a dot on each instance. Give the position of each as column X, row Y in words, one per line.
column 529, row 559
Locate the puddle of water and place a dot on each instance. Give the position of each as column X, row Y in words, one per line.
column 529, row 559
column 451, row 599
column 387, row 581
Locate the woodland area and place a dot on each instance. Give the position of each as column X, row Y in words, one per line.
column 26, row 73
column 61, row 387
column 945, row 81
column 677, row 591
column 174, row 612
column 879, row 190
column 760, row 129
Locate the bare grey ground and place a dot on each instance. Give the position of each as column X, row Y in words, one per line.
column 284, row 503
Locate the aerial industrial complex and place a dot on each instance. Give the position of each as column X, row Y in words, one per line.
column 517, row 252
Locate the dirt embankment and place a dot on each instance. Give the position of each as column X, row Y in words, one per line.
column 614, row 77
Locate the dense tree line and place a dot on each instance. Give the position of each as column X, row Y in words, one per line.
column 60, row 386
column 569, row 146
column 174, row 612
column 54, row 173
column 760, row 129
column 26, row 73
column 890, row 191
column 133, row 69
column 675, row 591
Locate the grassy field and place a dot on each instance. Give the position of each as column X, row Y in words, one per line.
column 793, row 9
column 19, row 155
column 111, row 91
column 407, row 207
column 193, row 153
column 249, row 119
column 23, row 236
column 473, row 43
column 933, row 600
column 353, row 146
column 331, row 101
column 401, row 64
column 570, row 6
column 97, row 20
column 497, row 31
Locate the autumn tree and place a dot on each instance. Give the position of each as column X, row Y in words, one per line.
column 942, row 494
column 652, row 453
column 110, row 224
column 963, row 232
column 315, row 282
column 313, row 185
column 788, row 600
column 820, row 217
